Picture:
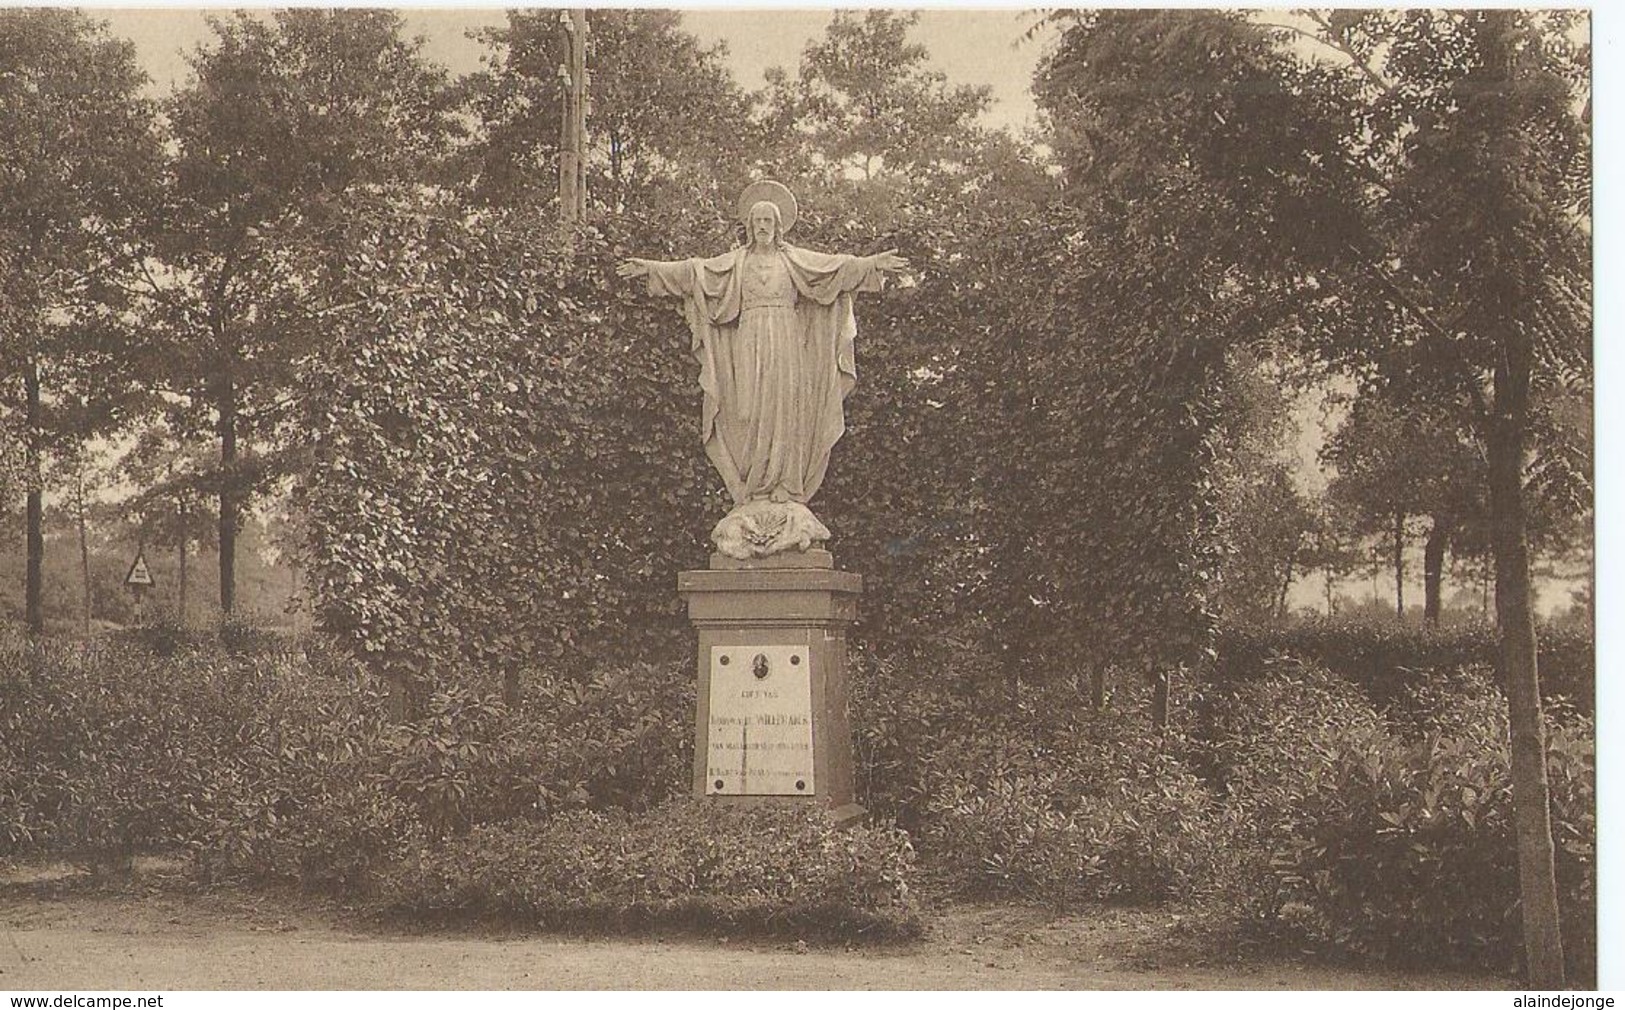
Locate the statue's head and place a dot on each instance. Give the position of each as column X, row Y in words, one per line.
column 761, row 198
column 764, row 226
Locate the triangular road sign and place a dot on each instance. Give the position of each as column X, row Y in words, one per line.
column 139, row 575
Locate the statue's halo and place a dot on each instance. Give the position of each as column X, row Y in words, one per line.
column 767, row 189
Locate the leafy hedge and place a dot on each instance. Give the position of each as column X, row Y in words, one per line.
column 1393, row 836
column 1388, row 660
column 1290, row 799
column 771, row 868
column 282, row 766
column 1024, row 790
column 105, row 749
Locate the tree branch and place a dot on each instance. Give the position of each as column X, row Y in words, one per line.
column 1356, row 60
column 1447, row 340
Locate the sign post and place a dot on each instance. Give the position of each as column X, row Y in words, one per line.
column 139, row 579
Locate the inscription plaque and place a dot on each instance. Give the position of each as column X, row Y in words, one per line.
column 759, row 737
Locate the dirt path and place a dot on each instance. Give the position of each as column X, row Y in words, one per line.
column 53, row 939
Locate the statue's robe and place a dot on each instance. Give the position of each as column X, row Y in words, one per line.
column 825, row 370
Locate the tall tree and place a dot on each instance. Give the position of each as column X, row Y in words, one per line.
column 1470, row 131
column 1394, row 462
column 666, row 123
column 289, row 121
column 866, row 103
column 1463, row 134
column 1189, row 143
column 77, row 151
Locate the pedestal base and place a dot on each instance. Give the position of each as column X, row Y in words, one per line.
column 772, row 723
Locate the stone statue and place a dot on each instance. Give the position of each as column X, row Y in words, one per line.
column 772, row 329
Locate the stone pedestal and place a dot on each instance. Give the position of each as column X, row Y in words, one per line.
column 772, row 722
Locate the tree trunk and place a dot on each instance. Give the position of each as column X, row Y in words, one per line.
column 1331, row 586
column 34, row 520
column 1161, row 694
column 1286, row 586
column 228, row 493
column 180, row 584
column 1433, row 556
column 84, row 543
column 1399, row 565
column 1514, row 612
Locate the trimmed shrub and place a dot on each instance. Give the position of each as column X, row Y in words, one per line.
column 305, row 796
column 330, row 790
column 283, row 767
column 1396, row 841
column 620, row 737
column 109, row 750
column 1018, row 789
column 1098, row 810
column 775, row 868
column 1386, row 660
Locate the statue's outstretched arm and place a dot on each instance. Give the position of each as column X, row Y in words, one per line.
column 888, row 262
column 666, row 277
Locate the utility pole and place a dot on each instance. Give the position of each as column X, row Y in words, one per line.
column 573, row 121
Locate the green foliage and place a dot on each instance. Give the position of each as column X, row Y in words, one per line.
column 274, row 766
column 620, row 738
column 773, row 868
column 1386, row 660
column 80, row 152
column 1026, row 791
column 1192, row 235
column 1413, row 461
column 1394, row 838
column 1265, row 523
column 105, row 750
column 289, row 122
column 666, row 123
column 329, row 791
column 303, row 796
column 865, row 101
column 502, row 477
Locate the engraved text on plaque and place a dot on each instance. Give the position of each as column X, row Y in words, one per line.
column 759, row 737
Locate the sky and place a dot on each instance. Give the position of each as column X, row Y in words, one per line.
column 969, row 46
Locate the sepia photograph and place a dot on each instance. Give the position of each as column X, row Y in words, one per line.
column 793, row 498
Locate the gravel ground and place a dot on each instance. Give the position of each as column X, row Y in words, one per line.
column 151, row 933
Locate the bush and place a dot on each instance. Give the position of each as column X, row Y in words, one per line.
column 1024, row 790
column 331, row 788
column 282, row 766
column 305, row 797
column 622, row 737
column 1392, row 839
column 1386, row 660
column 236, row 635
column 105, row 749
column 774, row 868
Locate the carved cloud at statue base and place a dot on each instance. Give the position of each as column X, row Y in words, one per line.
column 759, row 529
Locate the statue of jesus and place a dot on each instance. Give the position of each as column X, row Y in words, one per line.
column 772, row 329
